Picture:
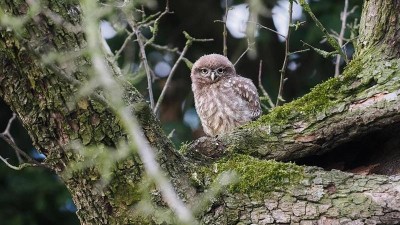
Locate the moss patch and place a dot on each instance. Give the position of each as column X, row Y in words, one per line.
column 322, row 96
column 256, row 176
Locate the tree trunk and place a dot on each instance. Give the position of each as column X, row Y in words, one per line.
column 364, row 101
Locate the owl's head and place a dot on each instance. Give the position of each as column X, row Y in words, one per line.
column 211, row 68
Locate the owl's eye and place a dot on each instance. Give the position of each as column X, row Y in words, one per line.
column 204, row 71
column 221, row 70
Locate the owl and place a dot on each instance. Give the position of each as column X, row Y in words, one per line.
column 223, row 99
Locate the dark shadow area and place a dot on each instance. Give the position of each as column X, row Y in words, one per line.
column 375, row 153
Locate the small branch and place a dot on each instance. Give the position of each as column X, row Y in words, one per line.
column 331, row 40
column 154, row 29
column 249, row 47
column 343, row 18
column 264, row 92
column 126, row 41
column 7, row 134
column 136, row 28
column 299, row 51
column 323, row 53
column 225, row 34
column 145, row 63
column 285, row 61
column 18, row 150
column 165, row 48
column 6, row 131
column 189, row 42
column 171, row 73
column 20, row 167
column 267, row 28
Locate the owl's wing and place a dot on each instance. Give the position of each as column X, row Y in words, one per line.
column 247, row 90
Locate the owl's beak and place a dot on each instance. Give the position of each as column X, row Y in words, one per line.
column 213, row 76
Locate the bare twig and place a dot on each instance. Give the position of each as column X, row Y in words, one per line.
column 145, row 63
column 279, row 98
column 154, row 29
column 171, row 73
column 126, row 41
column 299, row 51
column 6, row 131
column 267, row 28
column 142, row 45
column 20, row 167
column 17, row 149
column 136, row 27
column 249, row 47
column 165, row 48
column 7, row 137
column 6, row 134
column 343, row 18
column 189, row 41
column 264, row 92
column 225, row 33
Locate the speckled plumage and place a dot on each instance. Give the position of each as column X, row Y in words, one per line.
column 223, row 99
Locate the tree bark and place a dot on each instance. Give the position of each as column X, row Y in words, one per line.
column 364, row 100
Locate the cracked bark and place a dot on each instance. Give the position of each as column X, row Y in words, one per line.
column 363, row 101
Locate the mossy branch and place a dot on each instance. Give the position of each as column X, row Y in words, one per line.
column 331, row 40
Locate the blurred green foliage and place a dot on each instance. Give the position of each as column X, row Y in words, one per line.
column 36, row 196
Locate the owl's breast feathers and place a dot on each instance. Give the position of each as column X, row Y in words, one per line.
column 226, row 104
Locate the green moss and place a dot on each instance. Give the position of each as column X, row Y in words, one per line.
column 126, row 194
column 183, row 150
column 256, row 176
column 321, row 97
column 353, row 68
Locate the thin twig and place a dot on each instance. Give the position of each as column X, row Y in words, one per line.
column 189, row 41
column 139, row 37
column 126, row 41
column 331, row 40
column 165, row 48
column 343, row 18
column 225, row 33
column 7, row 134
column 279, row 98
column 6, row 131
column 18, row 150
column 171, row 73
column 249, row 47
column 264, row 92
column 299, row 51
column 267, row 28
column 20, row 167
column 7, row 137
column 146, row 65
column 155, row 25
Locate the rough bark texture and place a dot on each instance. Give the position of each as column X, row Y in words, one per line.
column 363, row 100
column 321, row 198
column 42, row 98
